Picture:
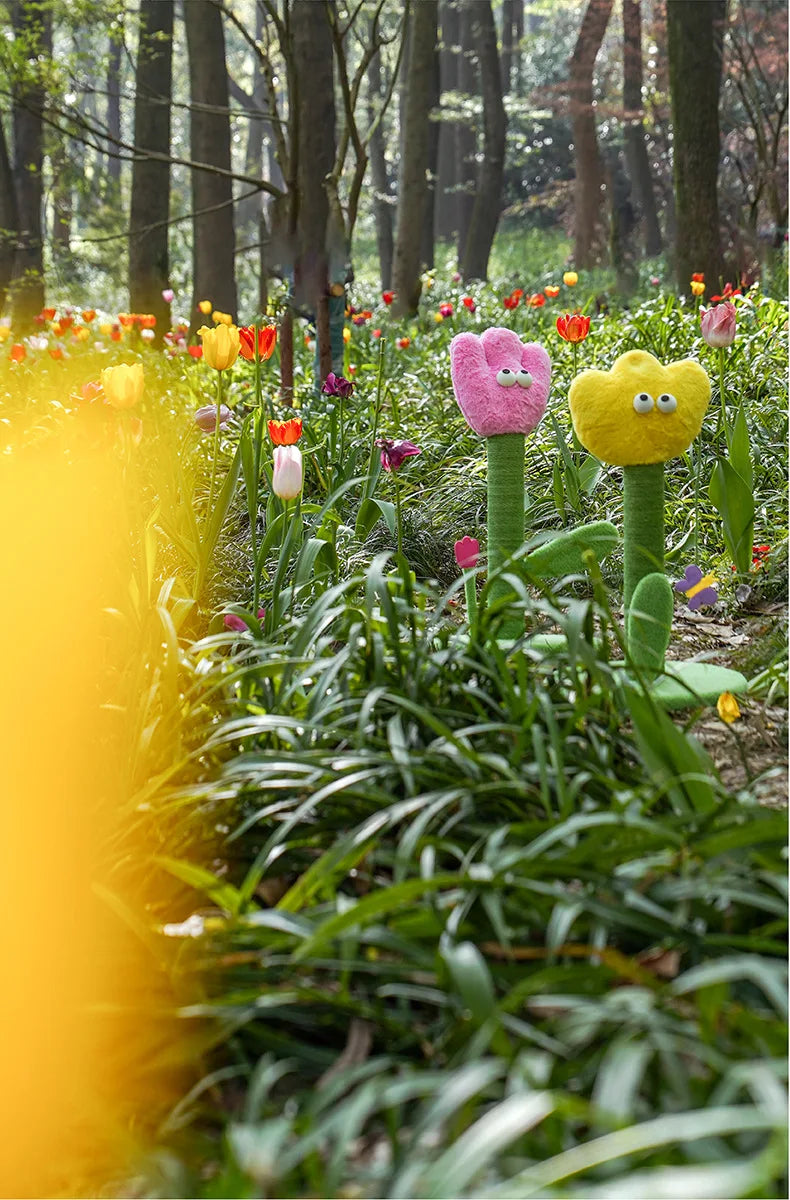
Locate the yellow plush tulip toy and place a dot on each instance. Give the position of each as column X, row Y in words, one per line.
column 639, row 415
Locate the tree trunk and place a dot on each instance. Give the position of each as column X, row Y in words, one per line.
column 508, row 33
column 313, row 57
column 588, row 191
column 382, row 187
column 446, row 207
column 34, row 25
column 62, row 205
column 114, row 68
column 427, row 245
column 516, row 52
column 488, row 194
column 213, row 249
column 635, row 146
column 466, row 133
column 412, row 184
column 9, row 221
column 694, row 42
column 149, row 262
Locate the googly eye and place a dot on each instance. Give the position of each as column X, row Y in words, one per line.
column 666, row 403
column 643, row 402
column 523, row 378
column 506, row 377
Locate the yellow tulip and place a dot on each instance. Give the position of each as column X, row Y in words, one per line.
column 221, row 318
column 5, row 332
column 123, row 385
column 220, row 346
column 570, row 278
column 727, row 707
column 205, row 307
column 697, row 287
column 105, row 329
column 346, row 334
column 82, row 334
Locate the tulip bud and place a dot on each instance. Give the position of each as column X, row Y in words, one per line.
column 123, row 385
column 287, row 475
column 220, row 345
column 718, row 324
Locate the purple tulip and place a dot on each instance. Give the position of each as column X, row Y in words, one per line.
column 337, row 385
column 394, row 453
column 206, row 417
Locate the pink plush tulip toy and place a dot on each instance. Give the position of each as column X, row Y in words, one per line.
column 502, row 387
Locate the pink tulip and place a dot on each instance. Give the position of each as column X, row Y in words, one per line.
column 287, row 476
column 167, row 295
column 467, row 552
column 235, row 623
column 718, row 324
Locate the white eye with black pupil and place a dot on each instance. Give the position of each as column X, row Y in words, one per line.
column 523, row 378
column 666, row 403
column 506, row 377
column 643, row 402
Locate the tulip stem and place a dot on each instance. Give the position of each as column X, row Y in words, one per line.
column 722, row 409
column 470, row 591
column 257, row 440
column 575, row 348
column 216, row 449
column 370, row 482
column 398, row 512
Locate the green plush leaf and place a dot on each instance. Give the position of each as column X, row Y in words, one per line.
column 649, row 622
column 564, row 555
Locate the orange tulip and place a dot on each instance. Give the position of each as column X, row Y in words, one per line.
column 285, row 433
column 88, row 315
column 552, row 291
column 18, row 353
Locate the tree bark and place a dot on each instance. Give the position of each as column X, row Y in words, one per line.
column 313, row 55
column 62, row 206
column 427, row 244
column 213, row 249
column 446, row 207
column 491, row 172
column 34, row 26
column 114, row 69
column 149, row 262
column 588, row 190
column 9, row 221
column 382, row 185
column 466, row 134
column 508, row 32
column 694, row 41
column 635, row 146
column 412, row 184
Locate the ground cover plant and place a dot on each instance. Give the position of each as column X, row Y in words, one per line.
column 441, row 918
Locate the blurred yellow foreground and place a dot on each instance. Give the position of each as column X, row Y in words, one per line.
column 83, row 1045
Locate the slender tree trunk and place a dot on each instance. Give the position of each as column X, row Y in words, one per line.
column 694, row 41
column 491, row 173
column 380, row 178
column 315, row 142
column 213, row 248
column 516, row 52
column 412, row 186
column 62, row 206
column 113, row 85
column 9, row 221
column 508, row 33
column 427, row 245
column 466, row 133
column 635, row 146
column 588, row 191
column 35, row 26
column 446, row 207
column 149, row 262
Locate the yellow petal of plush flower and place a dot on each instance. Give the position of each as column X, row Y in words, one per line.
column 727, row 707
column 639, row 411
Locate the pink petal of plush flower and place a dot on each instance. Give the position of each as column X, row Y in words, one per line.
column 490, row 407
column 467, row 552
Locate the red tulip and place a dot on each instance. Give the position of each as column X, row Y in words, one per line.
column 573, row 327
column 285, row 433
column 267, row 336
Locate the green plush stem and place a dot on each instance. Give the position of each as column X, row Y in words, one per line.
column 505, row 503
column 643, row 525
column 470, row 591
